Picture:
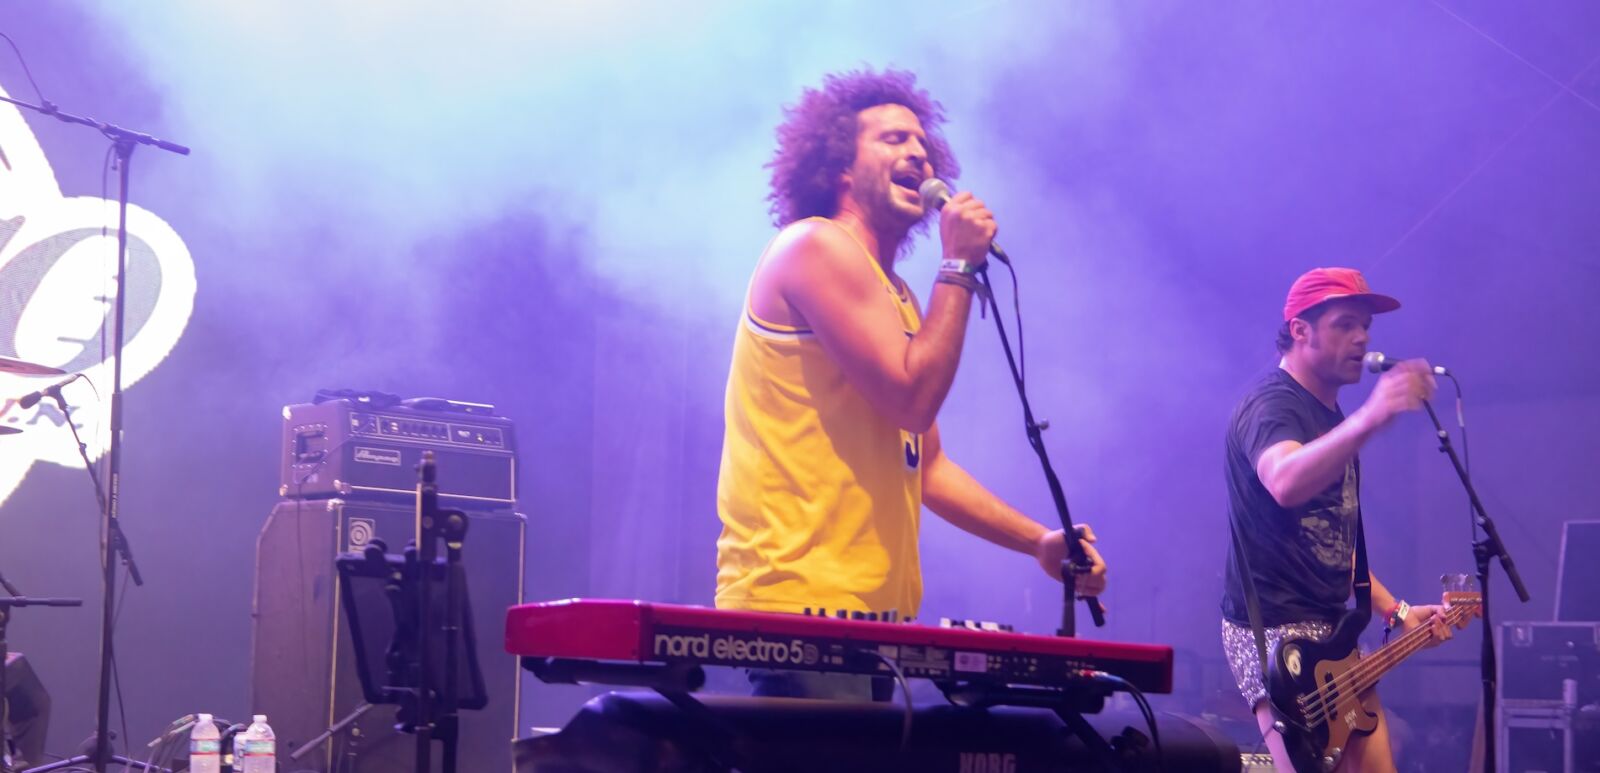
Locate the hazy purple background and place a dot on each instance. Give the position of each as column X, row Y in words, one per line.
column 556, row 211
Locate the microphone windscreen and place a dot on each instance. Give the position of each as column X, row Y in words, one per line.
column 934, row 191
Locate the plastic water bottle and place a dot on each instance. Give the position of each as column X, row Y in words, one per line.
column 256, row 749
column 205, row 746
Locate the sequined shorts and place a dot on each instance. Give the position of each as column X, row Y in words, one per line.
column 1240, row 644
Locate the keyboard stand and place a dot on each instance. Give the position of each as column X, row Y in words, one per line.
column 1069, row 704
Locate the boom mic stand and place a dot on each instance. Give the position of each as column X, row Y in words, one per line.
column 1483, row 551
column 113, row 543
column 1077, row 561
column 102, row 734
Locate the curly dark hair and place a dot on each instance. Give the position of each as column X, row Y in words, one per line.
column 817, row 139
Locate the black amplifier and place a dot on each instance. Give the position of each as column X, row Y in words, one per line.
column 1549, row 665
column 356, row 449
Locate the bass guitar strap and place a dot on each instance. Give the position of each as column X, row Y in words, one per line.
column 1363, row 588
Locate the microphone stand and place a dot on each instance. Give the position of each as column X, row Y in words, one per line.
column 113, row 543
column 8, row 603
column 1483, row 550
column 1077, row 561
column 333, row 730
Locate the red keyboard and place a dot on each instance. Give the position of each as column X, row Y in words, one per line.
column 643, row 632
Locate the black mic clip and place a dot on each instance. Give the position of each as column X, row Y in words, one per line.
column 53, row 391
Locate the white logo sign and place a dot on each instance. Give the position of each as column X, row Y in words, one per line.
column 732, row 648
column 387, row 456
column 58, row 262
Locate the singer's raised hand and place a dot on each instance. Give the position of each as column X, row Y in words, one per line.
column 966, row 227
column 1401, row 389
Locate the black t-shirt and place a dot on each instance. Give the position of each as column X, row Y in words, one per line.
column 1301, row 556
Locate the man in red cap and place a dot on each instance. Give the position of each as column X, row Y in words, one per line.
column 1293, row 489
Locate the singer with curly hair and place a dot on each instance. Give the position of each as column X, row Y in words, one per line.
column 831, row 448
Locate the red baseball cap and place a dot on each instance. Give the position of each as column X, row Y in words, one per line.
column 1327, row 284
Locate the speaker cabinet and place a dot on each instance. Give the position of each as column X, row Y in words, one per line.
column 28, row 716
column 303, row 674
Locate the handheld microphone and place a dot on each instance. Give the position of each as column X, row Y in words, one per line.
column 1378, row 363
column 936, row 193
column 54, row 390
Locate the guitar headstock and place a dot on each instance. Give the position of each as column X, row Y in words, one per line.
column 1460, row 593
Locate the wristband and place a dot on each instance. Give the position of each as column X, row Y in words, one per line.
column 954, row 266
column 1397, row 616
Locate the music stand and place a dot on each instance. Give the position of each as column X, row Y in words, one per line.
column 380, row 594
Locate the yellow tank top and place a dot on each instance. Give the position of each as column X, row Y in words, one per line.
column 820, row 496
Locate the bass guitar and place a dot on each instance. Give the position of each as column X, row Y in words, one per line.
column 1321, row 691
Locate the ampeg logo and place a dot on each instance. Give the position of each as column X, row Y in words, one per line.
column 359, row 532
column 388, row 456
column 58, row 258
column 734, row 649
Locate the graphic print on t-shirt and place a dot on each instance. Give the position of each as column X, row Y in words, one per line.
column 1326, row 530
column 912, row 442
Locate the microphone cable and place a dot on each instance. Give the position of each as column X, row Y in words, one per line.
column 1145, row 710
column 905, row 690
column 1018, row 365
column 1466, row 455
column 1016, row 308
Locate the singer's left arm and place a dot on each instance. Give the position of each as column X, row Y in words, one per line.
column 954, row 495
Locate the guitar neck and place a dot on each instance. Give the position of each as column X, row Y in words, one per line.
column 1374, row 666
